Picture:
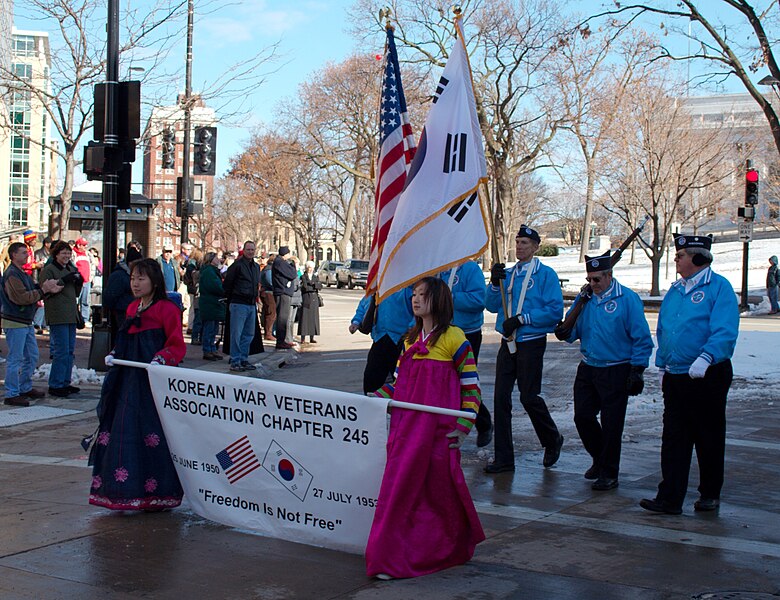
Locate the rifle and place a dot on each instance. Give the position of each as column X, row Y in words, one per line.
column 565, row 327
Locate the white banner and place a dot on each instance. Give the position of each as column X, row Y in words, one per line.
column 289, row 461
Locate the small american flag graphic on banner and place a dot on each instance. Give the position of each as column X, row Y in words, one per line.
column 238, row 460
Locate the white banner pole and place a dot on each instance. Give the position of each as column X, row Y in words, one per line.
column 433, row 409
column 461, row 414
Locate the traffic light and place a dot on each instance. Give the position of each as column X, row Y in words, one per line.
column 751, row 187
column 205, row 151
column 168, row 148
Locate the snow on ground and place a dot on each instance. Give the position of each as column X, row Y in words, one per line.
column 77, row 377
column 728, row 262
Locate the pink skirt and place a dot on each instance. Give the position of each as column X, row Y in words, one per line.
column 425, row 520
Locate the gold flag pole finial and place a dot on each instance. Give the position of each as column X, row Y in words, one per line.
column 457, row 10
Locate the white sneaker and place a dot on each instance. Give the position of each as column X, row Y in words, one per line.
column 2, row 360
column 384, row 576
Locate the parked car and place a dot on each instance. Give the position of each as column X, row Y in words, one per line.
column 353, row 272
column 327, row 272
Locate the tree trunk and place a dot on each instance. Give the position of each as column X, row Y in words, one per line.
column 655, row 262
column 349, row 219
column 61, row 224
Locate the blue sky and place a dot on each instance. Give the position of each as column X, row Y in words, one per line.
column 310, row 34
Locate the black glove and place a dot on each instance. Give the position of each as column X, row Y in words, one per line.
column 510, row 325
column 561, row 332
column 497, row 273
column 636, row 381
column 73, row 276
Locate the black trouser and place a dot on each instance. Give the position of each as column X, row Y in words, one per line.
column 483, row 416
column 601, row 390
column 283, row 308
column 380, row 363
column 694, row 417
column 524, row 367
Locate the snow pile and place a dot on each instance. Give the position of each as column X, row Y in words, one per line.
column 77, row 377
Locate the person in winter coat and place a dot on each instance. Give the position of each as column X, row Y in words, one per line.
column 212, row 303
column 772, row 281
column 61, row 316
column 81, row 258
column 310, row 307
column 117, row 294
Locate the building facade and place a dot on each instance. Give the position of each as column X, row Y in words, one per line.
column 160, row 183
column 741, row 121
column 27, row 163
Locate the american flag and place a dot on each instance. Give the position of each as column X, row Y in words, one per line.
column 396, row 150
column 238, row 459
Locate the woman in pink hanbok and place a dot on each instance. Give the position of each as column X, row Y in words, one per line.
column 425, row 520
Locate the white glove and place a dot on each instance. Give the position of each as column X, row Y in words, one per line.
column 661, row 373
column 458, row 437
column 698, row 368
column 109, row 360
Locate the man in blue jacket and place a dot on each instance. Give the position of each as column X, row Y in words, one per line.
column 467, row 284
column 393, row 318
column 616, row 346
column 697, row 333
column 531, row 307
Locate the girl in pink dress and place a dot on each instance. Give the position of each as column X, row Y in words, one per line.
column 425, row 520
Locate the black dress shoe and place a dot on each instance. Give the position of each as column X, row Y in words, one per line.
column 73, row 389
column 602, row 484
column 552, row 454
column 592, row 472
column 62, row 392
column 484, row 437
column 658, row 506
column 493, row 468
column 17, row 401
column 706, row 504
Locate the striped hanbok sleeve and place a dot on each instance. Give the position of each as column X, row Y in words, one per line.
column 470, row 393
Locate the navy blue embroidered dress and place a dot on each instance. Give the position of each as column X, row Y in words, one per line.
column 132, row 466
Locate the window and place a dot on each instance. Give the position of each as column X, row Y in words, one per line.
column 24, row 45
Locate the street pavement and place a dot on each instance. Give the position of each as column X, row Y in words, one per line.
column 548, row 534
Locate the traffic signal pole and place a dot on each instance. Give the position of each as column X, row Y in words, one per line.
column 186, row 177
column 748, row 214
column 111, row 137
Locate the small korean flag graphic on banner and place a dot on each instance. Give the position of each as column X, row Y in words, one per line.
column 287, row 471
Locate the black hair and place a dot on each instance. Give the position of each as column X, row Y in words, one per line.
column 151, row 268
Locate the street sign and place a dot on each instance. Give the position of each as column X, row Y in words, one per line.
column 745, row 229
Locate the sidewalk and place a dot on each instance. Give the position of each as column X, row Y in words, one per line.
column 548, row 534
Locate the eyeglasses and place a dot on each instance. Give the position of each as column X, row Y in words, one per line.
column 593, row 279
column 167, row 251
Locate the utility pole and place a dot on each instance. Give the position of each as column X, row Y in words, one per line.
column 111, row 138
column 186, row 177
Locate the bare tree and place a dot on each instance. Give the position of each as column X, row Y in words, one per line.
column 594, row 71
column 659, row 165
column 77, row 63
column 717, row 41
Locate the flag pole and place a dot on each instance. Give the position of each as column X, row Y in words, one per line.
column 458, row 12
column 494, row 244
